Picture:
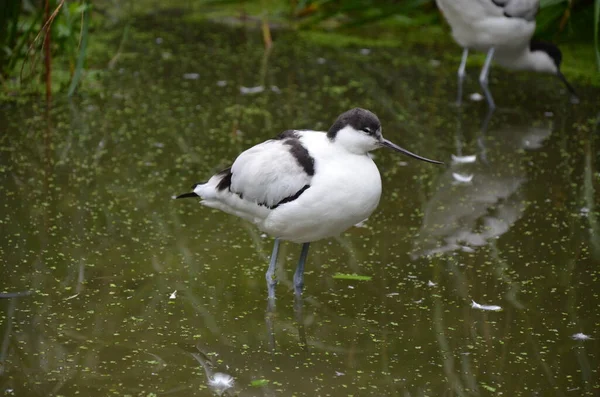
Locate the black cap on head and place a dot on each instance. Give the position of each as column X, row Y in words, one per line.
column 549, row 48
column 359, row 119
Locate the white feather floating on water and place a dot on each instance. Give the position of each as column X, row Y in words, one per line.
column 581, row 336
column 252, row 90
column 220, row 382
column 493, row 308
column 173, row 295
column 476, row 97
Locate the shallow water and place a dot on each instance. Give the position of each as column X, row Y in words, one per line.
column 128, row 292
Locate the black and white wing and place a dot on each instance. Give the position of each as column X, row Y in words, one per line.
column 273, row 172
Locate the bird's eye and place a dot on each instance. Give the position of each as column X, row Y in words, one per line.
column 367, row 130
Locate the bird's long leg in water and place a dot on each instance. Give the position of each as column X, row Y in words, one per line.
column 299, row 275
column 270, row 276
column 483, row 78
column 461, row 75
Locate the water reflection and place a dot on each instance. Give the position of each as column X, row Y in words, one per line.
column 12, row 298
column 271, row 319
column 480, row 196
column 591, row 208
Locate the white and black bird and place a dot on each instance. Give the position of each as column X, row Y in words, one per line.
column 504, row 29
column 304, row 185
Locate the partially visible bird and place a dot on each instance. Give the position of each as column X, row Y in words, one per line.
column 303, row 185
column 504, row 29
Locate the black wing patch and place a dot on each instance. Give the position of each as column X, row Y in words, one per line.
column 302, row 156
column 225, row 182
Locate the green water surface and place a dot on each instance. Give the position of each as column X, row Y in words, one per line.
column 125, row 291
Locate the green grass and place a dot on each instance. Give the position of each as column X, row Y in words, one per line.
column 82, row 48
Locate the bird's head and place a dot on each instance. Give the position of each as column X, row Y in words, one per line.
column 547, row 57
column 359, row 131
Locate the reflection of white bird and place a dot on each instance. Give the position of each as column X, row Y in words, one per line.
column 303, row 185
column 503, row 29
column 464, row 216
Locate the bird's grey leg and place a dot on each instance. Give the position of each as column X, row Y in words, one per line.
column 462, row 74
column 271, row 279
column 299, row 275
column 483, row 78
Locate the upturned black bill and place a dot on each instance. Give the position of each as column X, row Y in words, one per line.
column 397, row 148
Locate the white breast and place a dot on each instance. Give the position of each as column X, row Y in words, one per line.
column 345, row 190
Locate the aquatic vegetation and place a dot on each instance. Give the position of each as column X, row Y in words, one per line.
column 108, row 288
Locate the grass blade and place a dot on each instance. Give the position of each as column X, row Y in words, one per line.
column 82, row 50
column 596, row 30
column 344, row 276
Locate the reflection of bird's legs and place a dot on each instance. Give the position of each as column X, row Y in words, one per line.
column 483, row 78
column 298, row 309
column 269, row 316
column 271, row 283
column 271, row 278
column 481, row 137
column 486, row 120
column 458, row 136
column 462, row 74
column 8, row 329
column 299, row 275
